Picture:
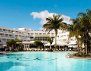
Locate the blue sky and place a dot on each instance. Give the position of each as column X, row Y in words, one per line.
column 17, row 13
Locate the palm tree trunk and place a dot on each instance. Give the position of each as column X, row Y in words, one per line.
column 50, row 47
column 79, row 47
column 87, row 47
column 55, row 38
column 55, row 41
column 86, row 51
column 86, row 44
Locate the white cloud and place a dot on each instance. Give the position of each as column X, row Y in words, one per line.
column 67, row 19
column 44, row 14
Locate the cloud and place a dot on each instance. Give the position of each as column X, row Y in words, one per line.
column 66, row 19
column 44, row 14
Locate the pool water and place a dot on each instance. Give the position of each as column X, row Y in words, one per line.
column 42, row 61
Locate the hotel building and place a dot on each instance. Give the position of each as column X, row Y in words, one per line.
column 28, row 36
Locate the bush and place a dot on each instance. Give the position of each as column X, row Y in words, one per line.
column 81, row 54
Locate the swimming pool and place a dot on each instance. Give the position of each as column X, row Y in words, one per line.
column 42, row 61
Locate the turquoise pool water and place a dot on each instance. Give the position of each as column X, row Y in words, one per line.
column 42, row 61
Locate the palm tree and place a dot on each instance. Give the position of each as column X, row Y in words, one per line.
column 54, row 23
column 74, row 31
column 50, row 40
column 82, row 27
column 85, row 21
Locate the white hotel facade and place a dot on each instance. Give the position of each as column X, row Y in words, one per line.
column 28, row 36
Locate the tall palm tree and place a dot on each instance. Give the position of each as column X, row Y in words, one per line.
column 54, row 23
column 74, row 31
column 85, row 21
column 82, row 27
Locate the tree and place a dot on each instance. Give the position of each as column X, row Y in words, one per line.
column 38, row 44
column 85, row 22
column 82, row 27
column 11, row 44
column 74, row 30
column 54, row 23
column 14, row 44
column 50, row 40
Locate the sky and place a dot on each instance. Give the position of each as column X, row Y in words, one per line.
column 32, row 13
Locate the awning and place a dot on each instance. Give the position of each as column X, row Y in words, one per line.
column 28, row 42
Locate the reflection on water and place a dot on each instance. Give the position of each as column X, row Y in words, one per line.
column 42, row 61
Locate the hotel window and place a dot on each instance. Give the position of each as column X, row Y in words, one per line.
column 32, row 33
column 28, row 33
column 10, row 35
column 31, row 37
column 64, row 39
column 9, row 31
column 4, row 39
column 0, row 29
column 48, row 33
column 52, row 33
column 4, row 30
column 44, row 33
column 57, row 36
column 40, row 33
column 12, row 31
column 6, row 35
column 36, row 33
column 16, row 35
column 1, row 34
